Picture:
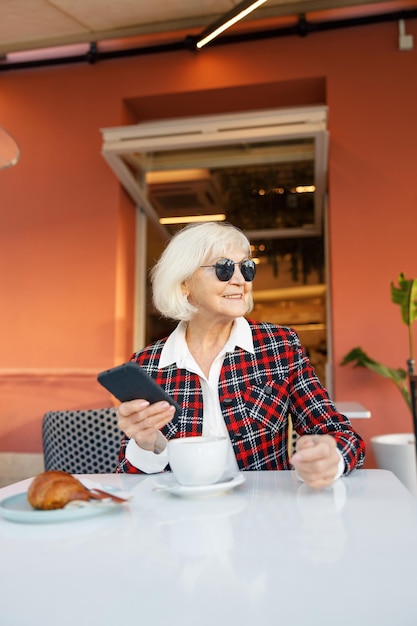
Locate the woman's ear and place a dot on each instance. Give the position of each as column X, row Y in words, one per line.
column 185, row 290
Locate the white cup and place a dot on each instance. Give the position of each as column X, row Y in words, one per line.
column 198, row 460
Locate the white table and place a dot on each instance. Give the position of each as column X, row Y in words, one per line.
column 353, row 410
column 272, row 552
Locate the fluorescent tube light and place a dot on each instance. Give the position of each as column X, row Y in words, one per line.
column 188, row 219
column 240, row 11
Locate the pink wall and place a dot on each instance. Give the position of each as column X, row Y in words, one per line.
column 66, row 228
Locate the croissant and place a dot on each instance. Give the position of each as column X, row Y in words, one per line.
column 54, row 489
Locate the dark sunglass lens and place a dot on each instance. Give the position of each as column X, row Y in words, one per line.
column 224, row 269
column 248, row 269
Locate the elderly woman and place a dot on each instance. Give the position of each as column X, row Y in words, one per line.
column 230, row 375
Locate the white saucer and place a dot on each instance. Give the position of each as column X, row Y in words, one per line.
column 167, row 482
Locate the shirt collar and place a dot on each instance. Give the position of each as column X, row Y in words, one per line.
column 175, row 349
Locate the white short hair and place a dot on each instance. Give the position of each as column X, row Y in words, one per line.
column 189, row 249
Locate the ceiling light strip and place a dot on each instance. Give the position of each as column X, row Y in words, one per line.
column 240, row 11
column 188, row 219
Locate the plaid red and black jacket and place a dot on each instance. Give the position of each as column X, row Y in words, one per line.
column 257, row 392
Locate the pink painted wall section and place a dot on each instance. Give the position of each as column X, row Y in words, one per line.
column 25, row 397
column 66, row 230
column 373, row 218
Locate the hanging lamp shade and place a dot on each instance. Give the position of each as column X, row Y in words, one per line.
column 9, row 150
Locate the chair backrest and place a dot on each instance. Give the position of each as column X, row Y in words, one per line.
column 82, row 441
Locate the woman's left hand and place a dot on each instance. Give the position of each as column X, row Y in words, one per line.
column 316, row 460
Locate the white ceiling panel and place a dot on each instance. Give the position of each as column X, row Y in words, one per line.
column 34, row 24
column 33, row 20
column 102, row 15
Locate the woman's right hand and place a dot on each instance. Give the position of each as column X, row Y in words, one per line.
column 141, row 421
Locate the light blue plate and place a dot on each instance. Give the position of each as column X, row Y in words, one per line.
column 17, row 509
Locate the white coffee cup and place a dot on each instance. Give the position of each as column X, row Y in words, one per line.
column 198, row 460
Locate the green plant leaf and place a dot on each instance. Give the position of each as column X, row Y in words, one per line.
column 356, row 356
column 406, row 296
column 398, row 376
column 359, row 358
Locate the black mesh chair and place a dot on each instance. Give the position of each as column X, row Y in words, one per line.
column 82, row 441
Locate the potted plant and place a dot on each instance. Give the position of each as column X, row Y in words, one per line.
column 401, row 447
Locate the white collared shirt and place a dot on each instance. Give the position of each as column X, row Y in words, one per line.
column 176, row 351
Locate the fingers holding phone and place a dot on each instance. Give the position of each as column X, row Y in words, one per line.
column 145, row 408
column 142, row 421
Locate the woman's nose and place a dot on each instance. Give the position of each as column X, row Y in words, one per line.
column 237, row 275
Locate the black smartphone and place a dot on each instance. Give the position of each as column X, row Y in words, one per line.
column 130, row 381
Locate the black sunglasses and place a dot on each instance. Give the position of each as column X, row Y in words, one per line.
column 225, row 269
